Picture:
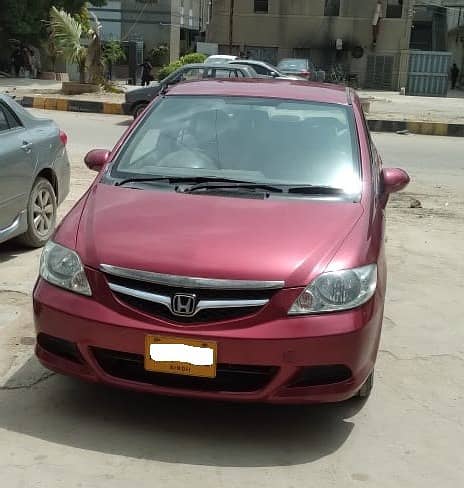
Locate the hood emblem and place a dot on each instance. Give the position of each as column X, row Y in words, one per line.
column 184, row 305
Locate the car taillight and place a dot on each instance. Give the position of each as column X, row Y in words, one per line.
column 305, row 73
column 63, row 137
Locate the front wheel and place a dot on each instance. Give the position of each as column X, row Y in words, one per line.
column 139, row 109
column 41, row 214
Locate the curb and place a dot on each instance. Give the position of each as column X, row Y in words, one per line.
column 70, row 105
column 112, row 108
column 423, row 128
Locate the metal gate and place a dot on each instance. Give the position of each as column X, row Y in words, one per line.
column 428, row 73
column 379, row 74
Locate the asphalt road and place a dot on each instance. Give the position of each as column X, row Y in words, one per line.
column 56, row 431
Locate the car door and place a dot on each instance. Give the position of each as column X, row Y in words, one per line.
column 16, row 166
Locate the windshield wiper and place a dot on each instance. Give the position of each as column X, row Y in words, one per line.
column 176, row 179
column 315, row 190
column 230, row 184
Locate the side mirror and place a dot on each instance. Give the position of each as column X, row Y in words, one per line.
column 96, row 159
column 274, row 74
column 394, row 179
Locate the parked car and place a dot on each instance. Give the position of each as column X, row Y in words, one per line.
column 137, row 100
column 265, row 69
column 34, row 174
column 299, row 67
column 220, row 59
column 230, row 248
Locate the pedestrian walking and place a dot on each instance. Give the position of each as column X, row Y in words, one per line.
column 454, row 75
column 146, row 73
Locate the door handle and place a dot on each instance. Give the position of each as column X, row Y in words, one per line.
column 26, row 146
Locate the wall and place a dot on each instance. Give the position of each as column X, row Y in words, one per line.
column 301, row 24
column 110, row 18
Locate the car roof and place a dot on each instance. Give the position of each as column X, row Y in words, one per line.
column 225, row 56
column 265, row 88
column 211, row 66
column 250, row 61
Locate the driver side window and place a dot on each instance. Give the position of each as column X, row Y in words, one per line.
column 192, row 74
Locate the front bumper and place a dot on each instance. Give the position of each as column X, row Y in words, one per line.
column 284, row 349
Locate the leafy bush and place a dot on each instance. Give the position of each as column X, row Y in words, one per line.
column 187, row 59
column 193, row 58
column 159, row 55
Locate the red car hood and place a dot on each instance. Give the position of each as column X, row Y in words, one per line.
column 213, row 237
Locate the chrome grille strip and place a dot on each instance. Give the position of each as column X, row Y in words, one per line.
column 190, row 282
column 202, row 304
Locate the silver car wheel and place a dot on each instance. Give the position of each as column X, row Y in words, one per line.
column 43, row 212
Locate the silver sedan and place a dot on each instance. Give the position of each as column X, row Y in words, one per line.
column 34, row 174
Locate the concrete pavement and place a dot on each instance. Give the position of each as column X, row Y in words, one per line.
column 55, row 431
column 388, row 112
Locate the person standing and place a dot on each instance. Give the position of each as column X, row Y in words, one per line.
column 146, row 73
column 454, row 75
column 17, row 61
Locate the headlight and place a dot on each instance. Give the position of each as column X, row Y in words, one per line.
column 62, row 267
column 337, row 290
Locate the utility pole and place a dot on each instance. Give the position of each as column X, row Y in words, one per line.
column 231, row 25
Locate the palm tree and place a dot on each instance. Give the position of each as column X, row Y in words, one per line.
column 69, row 34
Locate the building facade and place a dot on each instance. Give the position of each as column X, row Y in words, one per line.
column 330, row 32
column 175, row 23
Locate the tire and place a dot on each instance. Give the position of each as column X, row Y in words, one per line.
column 41, row 214
column 366, row 388
column 139, row 109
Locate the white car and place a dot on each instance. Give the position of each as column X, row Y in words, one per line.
column 220, row 59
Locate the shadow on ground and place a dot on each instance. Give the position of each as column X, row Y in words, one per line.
column 93, row 417
column 11, row 250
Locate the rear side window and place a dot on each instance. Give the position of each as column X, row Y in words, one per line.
column 225, row 73
column 261, row 70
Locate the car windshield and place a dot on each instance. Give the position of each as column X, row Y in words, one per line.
column 293, row 64
column 259, row 140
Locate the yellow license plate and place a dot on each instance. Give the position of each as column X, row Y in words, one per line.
column 176, row 355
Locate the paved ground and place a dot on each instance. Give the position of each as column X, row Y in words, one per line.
column 393, row 106
column 385, row 105
column 56, row 431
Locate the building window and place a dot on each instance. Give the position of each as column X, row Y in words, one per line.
column 394, row 9
column 262, row 6
column 332, row 8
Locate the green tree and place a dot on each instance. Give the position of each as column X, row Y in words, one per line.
column 68, row 34
column 24, row 19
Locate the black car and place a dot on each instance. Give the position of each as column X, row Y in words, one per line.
column 137, row 100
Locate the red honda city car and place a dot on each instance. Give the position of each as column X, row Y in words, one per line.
column 231, row 247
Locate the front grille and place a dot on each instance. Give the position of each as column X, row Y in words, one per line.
column 229, row 377
column 204, row 316
column 202, row 294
